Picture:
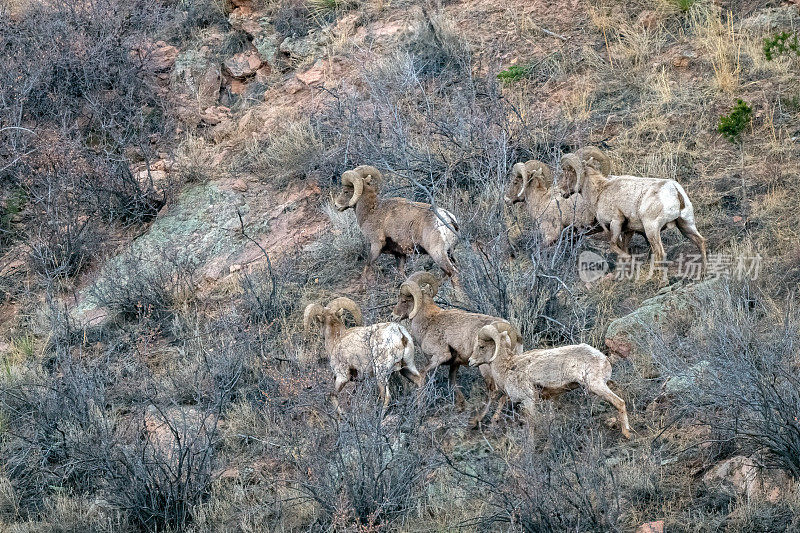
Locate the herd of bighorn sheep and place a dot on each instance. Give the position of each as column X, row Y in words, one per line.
column 588, row 196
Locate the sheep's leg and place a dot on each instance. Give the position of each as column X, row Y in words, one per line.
column 401, row 265
column 498, row 412
column 409, row 369
column 689, row 230
column 459, row 396
column 478, row 418
column 385, row 395
column 412, row 375
column 338, row 385
column 375, row 248
column 491, row 392
column 615, row 240
column 602, row 390
column 626, row 242
column 653, row 233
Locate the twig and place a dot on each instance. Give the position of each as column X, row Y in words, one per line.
column 550, row 33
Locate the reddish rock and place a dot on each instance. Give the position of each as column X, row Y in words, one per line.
column 157, row 176
column 208, row 85
column 243, row 65
column 749, row 478
column 238, row 86
column 651, row 527
column 314, row 75
column 648, row 20
column 239, row 185
column 737, row 219
column 243, row 11
column 215, row 114
column 684, row 59
column 620, row 347
column 293, row 86
column 262, row 74
column 163, row 56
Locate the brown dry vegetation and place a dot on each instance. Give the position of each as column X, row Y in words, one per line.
column 157, row 249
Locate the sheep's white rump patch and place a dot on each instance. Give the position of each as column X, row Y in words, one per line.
column 448, row 236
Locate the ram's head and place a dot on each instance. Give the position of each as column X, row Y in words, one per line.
column 413, row 291
column 574, row 168
column 353, row 184
column 331, row 315
column 493, row 340
column 525, row 175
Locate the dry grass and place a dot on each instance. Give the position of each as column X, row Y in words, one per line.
column 284, row 153
column 721, row 42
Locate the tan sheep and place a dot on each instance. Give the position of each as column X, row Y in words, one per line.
column 376, row 350
column 535, row 374
column 531, row 183
column 624, row 205
column 447, row 336
column 397, row 226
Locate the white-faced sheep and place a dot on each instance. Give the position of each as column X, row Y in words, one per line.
column 397, row 226
column 628, row 204
column 546, row 373
column 531, row 183
column 447, row 336
column 376, row 350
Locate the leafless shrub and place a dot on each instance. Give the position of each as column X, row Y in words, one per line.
column 138, row 286
column 437, row 50
column 285, row 155
column 740, row 376
column 153, row 459
column 534, row 292
column 272, row 294
column 89, row 106
column 563, row 484
column 366, row 470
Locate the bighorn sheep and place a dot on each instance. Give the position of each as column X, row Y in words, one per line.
column 376, row 350
column 628, row 204
column 397, row 226
column 447, row 336
column 531, row 183
column 545, row 373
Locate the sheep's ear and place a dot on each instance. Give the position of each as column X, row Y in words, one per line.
column 368, row 179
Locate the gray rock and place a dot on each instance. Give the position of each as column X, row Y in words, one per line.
column 632, row 333
column 685, row 381
column 201, row 76
column 773, row 19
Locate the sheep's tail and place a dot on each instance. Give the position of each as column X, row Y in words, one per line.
column 683, row 200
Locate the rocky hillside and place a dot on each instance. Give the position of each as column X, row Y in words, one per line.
column 166, row 175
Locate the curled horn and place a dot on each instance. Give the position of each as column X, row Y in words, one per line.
column 351, row 177
column 491, row 333
column 513, row 334
column 347, row 304
column 575, row 163
column 411, row 287
column 426, row 278
column 540, row 172
column 357, row 177
column 312, row 311
column 602, row 160
column 520, row 170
